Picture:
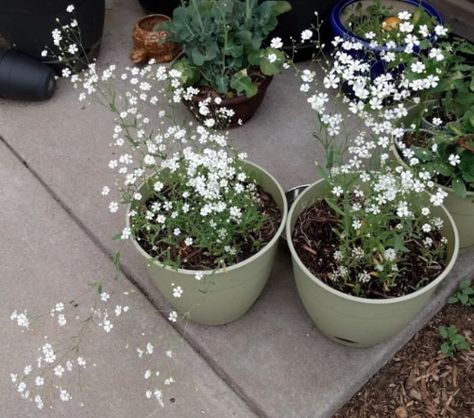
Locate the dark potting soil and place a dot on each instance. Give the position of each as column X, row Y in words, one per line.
column 315, row 241
column 193, row 258
column 441, row 114
column 419, row 139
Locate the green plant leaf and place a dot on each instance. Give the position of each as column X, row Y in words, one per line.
column 443, row 169
column 468, row 121
column 280, row 7
column 271, row 61
column 452, row 300
column 423, row 154
column 467, row 166
column 459, row 187
column 189, row 73
column 242, row 83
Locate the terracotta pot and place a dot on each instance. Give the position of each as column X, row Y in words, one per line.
column 149, row 43
column 243, row 106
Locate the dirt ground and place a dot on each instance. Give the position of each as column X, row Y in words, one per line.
column 420, row 382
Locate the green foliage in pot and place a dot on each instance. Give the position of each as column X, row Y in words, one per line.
column 450, row 156
column 381, row 23
column 454, row 93
column 223, row 43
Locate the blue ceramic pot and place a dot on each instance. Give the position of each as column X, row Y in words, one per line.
column 339, row 29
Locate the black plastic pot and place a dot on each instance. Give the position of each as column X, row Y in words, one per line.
column 164, row 7
column 299, row 18
column 26, row 25
column 24, row 78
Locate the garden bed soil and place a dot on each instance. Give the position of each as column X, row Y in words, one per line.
column 315, row 242
column 192, row 258
column 420, row 382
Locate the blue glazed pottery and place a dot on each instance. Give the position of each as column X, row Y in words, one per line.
column 339, row 29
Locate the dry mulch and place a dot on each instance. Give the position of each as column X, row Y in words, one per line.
column 420, row 382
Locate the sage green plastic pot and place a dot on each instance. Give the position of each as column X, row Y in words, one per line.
column 462, row 210
column 351, row 320
column 224, row 295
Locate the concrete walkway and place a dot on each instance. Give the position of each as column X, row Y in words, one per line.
column 56, row 237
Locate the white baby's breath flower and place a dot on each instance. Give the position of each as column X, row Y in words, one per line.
column 62, row 320
column 454, row 159
column 337, row 191
column 404, row 15
column 59, row 370
column 173, row 316
column 276, row 43
column 104, row 296
column 64, row 395
column 418, row 67
column 177, row 292
column 441, row 30
column 437, row 121
column 70, row 8
column 113, row 207
column 126, row 233
column 72, row 49
column 271, row 58
column 306, row 35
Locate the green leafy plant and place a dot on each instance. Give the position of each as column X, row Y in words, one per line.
column 464, row 294
column 452, row 341
column 379, row 22
column 453, row 96
column 223, row 43
column 450, row 156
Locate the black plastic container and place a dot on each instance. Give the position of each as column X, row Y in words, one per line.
column 299, row 18
column 26, row 25
column 24, row 78
column 164, row 7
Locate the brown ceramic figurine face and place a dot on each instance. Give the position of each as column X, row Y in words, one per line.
column 149, row 43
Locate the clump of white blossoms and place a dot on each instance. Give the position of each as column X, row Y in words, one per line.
column 377, row 86
column 190, row 197
column 360, row 100
column 191, row 200
column 54, row 372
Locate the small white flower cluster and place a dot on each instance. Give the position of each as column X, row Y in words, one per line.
column 31, row 383
column 54, row 363
column 200, row 192
column 152, row 377
column 379, row 202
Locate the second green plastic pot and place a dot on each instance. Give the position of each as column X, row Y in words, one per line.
column 355, row 321
column 224, row 295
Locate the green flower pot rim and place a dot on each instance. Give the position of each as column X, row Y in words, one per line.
column 249, row 260
column 394, row 149
column 357, row 299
